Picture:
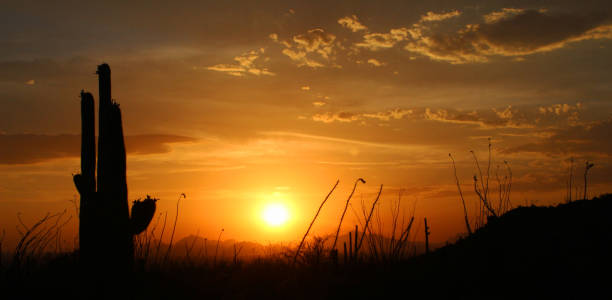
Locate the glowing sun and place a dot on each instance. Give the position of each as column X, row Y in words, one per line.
column 275, row 214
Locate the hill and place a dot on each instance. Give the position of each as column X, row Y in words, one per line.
column 550, row 252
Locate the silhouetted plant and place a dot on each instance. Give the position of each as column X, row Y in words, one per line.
column 570, row 180
column 427, row 233
column 106, row 230
column 315, row 251
column 367, row 222
column 587, row 167
column 465, row 214
column 344, row 211
column 385, row 247
column 37, row 238
column 182, row 195
column 487, row 207
column 217, row 247
column 297, row 252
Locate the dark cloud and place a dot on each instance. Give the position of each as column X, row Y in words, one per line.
column 32, row 148
column 510, row 34
column 580, row 140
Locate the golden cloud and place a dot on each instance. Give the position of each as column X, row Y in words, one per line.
column 502, row 14
column 506, row 118
column 352, row 23
column 433, row 17
column 375, row 62
column 347, row 117
column 376, row 41
column 246, row 65
column 315, row 48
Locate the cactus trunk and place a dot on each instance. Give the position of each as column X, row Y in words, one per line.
column 87, row 190
column 106, row 231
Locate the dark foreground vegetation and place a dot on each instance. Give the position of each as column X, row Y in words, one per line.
column 550, row 252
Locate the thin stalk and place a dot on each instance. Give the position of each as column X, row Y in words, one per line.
column 368, row 220
column 297, row 252
column 174, row 227
column 465, row 214
column 344, row 211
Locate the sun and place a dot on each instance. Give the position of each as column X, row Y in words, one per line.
column 275, row 214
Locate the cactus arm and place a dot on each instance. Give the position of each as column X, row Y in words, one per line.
column 142, row 214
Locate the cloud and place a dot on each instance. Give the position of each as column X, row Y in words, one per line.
column 494, row 118
column 529, row 118
column 33, row 148
column 375, row 62
column 352, row 23
column 318, row 103
column 337, row 140
column 511, row 32
column 572, row 112
column 246, row 65
column 316, row 48
column 30, row 82
column 396, row 114
column 376, row 41
column 328, row 117
column 347, row 117
column 582, row 139
column 305, row 88
column 505, row 13
column 432, row 17
column 559, row 109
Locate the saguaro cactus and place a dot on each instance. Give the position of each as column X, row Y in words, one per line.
column 106, row 230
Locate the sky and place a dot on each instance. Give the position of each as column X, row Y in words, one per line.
column 239, row 104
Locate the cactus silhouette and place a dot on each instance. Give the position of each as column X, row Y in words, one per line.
column 106, row 230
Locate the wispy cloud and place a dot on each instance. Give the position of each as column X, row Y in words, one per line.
column 245, row 65
column 328, row 117
column 509, row 117
column 433, row 17
column 502, row 14
column 352, row 23
column 346, row 117
column 506, row 118
column 582, row 139
column 316, row 48
column 375, row 62
column 338, row 140
column 376, row 41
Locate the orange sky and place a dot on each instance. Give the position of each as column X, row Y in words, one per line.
column 237, row 105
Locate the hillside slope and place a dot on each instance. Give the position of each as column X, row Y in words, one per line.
column 561, row 251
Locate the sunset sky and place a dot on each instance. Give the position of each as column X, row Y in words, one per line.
column 241, row 104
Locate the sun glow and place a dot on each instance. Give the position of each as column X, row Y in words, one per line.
column 275, row 214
